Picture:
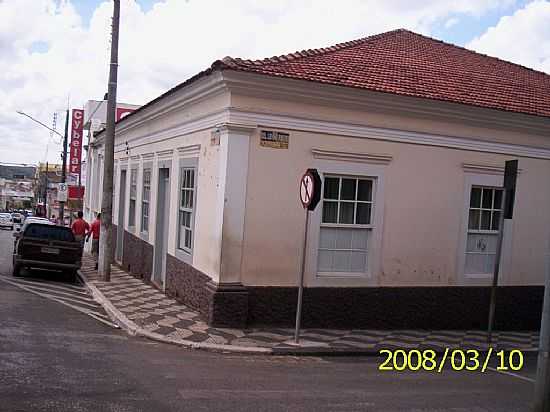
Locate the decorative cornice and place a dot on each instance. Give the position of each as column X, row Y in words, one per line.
column 163, row 154
column 352, row 157
column 247, row 121
column 234, row 127
column 147, row 156
column 187, row 151
column 490, row 169
column 134, row 158
column 393, row 135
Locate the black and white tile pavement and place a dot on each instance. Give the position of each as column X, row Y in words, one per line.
column 153, row 311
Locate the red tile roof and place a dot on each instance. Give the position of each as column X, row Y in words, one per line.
column 405, row 63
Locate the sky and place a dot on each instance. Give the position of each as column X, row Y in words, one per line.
column 55, row 53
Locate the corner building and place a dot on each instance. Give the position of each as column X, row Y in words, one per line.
column 409, row 135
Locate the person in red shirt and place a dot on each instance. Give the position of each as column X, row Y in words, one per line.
column 80, row 227
column 94, row 233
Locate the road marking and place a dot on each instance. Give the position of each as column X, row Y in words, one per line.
column 88, row 312
column 515, row 375
column 53, row 290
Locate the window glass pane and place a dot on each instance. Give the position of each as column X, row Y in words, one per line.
column 330, row 211
column 498, row 199
column 190, row 199
column 347, row 212
column 181, row 234
column 192, row 179
column 327, row 238
column 331, row 188
column 341, row 261
column 363, row 213
column 359, row 239
column 475, row 198
column 188, row 239
column 473, row 222
column 343, row 239
column 475, row 264
column 496, row 221
column 485, row 220
column 364, row 190
column 358, row 262
column 324, row 261
column 487, row 198
column 348, row 189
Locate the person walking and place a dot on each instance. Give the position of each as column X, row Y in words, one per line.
column 80, row 227
column 94, row 233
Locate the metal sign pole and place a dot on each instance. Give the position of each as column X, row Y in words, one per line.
column 301, row 284
column 492, row 306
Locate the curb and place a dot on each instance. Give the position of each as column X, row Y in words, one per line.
column 134, row 330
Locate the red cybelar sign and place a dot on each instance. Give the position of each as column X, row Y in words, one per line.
column 76, row 141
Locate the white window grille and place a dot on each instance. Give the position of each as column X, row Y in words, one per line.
column 186, row 209
column 483, row 227
column 133, row 198
column 145, row 199
column 346, row 223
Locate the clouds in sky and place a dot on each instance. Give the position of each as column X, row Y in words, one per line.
column 47, row 51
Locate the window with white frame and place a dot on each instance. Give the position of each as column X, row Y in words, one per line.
column 133, row 198
column 186, row 209
column 483, row 227
column 346, row 222
column 145, row 199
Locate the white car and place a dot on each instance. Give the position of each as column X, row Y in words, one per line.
column 6, row 221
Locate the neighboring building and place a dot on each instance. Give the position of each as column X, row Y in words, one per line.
column 48, row 176
column 16, row 186
column 410, row 136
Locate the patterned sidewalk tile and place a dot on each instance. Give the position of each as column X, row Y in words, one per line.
column 155, row 312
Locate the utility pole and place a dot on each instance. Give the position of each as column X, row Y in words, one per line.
column 64, row 167
column 46, row 192
column 542, row 384
column 106, row 233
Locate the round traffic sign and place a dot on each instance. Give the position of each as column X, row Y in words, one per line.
column 307, row 189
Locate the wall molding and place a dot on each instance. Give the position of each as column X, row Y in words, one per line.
column 248, row 120
column 165, row 154
column 352, row 157
column 189, row 151
column 491, row 169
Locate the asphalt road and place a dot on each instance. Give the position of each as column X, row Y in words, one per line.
column 54, row 358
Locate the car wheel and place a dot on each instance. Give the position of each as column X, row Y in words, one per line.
column 16, row 269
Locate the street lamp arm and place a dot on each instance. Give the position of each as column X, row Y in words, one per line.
column 40, row 123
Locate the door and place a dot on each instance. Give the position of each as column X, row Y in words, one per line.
column 121, row 209
column 161, row 234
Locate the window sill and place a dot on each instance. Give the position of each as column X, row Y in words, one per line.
column 478, row 276
column 341, row 275
column 184, row 256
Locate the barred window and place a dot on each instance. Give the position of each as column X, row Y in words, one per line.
column 133, row 197
column 145, row 199
column 186, row 208
column 345, row 224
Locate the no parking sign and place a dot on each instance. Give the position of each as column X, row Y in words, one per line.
column 310, row 189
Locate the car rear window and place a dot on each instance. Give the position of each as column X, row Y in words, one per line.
column 49, row 232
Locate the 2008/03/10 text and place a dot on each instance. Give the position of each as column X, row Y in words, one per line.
column 458, row 359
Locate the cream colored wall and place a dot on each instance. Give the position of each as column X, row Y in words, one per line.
column 423, row 213
column 206, row 258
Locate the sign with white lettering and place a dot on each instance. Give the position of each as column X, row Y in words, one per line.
column 77, row 124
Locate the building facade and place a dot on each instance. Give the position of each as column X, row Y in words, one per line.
column 17, row 183
column 206, row 203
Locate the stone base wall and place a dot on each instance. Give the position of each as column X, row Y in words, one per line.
column 137, row 257
column 187, row 285
column 517, row 307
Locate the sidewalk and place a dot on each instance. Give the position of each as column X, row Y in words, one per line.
column 142, row 310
